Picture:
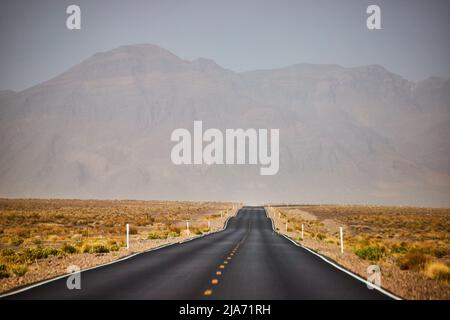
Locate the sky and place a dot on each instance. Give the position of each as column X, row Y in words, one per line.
column 240, row 35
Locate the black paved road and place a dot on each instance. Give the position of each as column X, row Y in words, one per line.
column 254, row 262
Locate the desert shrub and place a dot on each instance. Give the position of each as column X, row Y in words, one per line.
column 99, row 248
column 3, row 271
column 20, row 270
column 86, row 248
column 401, row 248
column 95, row 248
column 7, row 252
column 173, row 234
column 437, row 270
column 114, row 247
column 31, row 254
column 413, row 260
column 156, row 235
column 440, row 252
column 363, row 241
column 320, row 236
column 68, row 248
column 17, row 241
column 373, row 253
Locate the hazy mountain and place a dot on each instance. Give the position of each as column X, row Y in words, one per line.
column 5, row 95
column 102, row 130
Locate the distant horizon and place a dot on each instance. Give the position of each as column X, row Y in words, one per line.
column 234, row 71
column 242, row 202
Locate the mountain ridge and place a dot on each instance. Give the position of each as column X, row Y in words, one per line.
column 102, row 129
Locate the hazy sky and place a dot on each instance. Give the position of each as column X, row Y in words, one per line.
column 240, row 35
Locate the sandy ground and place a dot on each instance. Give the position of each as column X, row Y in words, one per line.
column 403, row 283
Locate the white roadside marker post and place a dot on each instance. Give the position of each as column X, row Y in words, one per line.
column 128, row 236
column 341, row 233
column 286, row 226
column 302, row 231
column 209, row 224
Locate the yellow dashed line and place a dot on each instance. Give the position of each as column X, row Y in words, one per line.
column 207, row 292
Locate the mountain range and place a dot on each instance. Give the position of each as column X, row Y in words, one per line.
column 347, row 135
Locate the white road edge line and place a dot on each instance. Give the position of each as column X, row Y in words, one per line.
column 38, row 284
column 387, row 293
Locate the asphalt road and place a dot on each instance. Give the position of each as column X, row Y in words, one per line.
column 247, row 260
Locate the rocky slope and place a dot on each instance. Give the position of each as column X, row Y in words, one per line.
column 102, row 130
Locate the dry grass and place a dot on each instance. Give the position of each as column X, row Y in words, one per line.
column 33, row 232
column 412, row 245
column 437, row 270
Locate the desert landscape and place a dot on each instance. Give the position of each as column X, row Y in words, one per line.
column 39, row 239
column 224, row 151
column 411, row 245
